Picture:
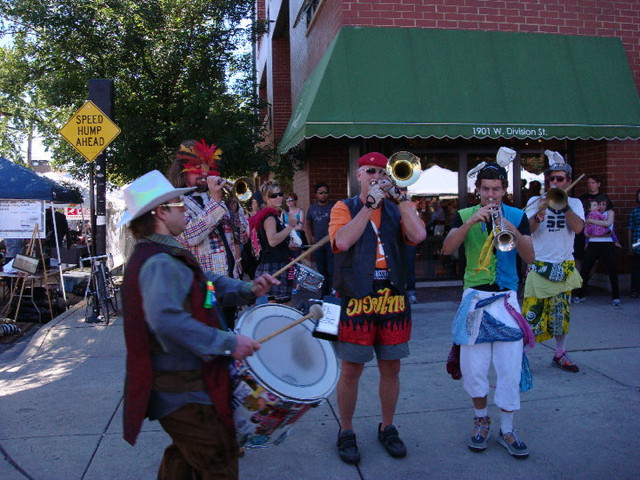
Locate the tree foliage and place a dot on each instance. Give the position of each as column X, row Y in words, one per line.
column 169, row 59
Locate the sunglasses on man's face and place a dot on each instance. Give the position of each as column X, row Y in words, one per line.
column 277, row 194
column 372, row 171
column 557, row 178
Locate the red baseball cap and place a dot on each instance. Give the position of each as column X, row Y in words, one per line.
column 373, row 159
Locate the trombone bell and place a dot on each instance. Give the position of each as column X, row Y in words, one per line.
column 557, row 198
column 404, row 168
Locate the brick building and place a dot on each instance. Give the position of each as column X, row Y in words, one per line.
column 451, row 81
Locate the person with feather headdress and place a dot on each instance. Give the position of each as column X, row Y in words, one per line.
column 215, row 229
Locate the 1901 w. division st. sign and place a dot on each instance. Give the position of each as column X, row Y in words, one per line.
column 90, row 131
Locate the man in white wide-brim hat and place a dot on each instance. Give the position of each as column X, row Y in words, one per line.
column 177, row 353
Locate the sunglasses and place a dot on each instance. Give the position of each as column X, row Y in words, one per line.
column 322, row 193
column 557, row 178
column 275, row 195
column 289, row 199
column 372, row 171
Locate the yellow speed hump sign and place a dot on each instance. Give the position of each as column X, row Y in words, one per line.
column 89, row 131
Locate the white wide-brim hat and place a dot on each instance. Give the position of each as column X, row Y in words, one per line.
column 147, row 192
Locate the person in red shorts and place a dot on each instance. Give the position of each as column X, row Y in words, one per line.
column 368, row 233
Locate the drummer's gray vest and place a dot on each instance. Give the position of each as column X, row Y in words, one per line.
column 353, row 272
column 141, row 344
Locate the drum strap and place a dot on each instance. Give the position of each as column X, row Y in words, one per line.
column 178, row 381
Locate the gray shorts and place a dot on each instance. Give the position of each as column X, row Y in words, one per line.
column 354, row 353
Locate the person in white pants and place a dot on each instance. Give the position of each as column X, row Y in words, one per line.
column 488, row 325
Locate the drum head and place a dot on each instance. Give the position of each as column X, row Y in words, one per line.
column 294, row 364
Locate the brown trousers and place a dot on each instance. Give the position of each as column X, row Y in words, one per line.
column 202, row 448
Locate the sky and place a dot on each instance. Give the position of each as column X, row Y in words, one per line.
column 37, row 150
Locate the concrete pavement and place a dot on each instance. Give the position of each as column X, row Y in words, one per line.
column 61, row 408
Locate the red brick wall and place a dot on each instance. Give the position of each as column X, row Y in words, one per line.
column 281, row 86
column 311, row 43
column 330, row 165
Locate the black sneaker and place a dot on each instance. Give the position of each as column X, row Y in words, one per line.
column 390, row 439
column 347, row 447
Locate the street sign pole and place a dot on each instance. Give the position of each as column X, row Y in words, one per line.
column 101, row 93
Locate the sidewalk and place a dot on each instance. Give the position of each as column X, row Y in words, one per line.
column 61, row 411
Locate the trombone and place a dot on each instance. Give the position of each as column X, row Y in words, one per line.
column 557, row 198
column 404, row 168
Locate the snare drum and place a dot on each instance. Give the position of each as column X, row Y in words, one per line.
column 290, row 373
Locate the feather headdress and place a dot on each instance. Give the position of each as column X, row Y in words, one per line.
column 200, row 158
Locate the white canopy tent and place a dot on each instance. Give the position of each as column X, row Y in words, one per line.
column 436, row 180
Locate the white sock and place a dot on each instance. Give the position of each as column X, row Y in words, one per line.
column 560, row 345
column 481, row 412
column 506, row 421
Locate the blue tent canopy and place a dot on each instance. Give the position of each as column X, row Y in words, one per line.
column 20, row 183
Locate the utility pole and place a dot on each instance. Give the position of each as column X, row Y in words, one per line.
column 100, row 93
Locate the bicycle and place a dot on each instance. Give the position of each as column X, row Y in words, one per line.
column 101, row 291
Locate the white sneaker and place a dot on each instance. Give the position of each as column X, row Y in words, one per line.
column 578, row 299
column 616, row 302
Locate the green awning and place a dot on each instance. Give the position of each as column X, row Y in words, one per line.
column 407, row 82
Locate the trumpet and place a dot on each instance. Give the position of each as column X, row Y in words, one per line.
column 503, row 239
column 242, row 189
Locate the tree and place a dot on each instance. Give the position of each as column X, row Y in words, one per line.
column 169, row 60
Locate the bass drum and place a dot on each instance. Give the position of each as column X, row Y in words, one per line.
column 291, row 373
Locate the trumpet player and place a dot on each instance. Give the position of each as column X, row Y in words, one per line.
column 488, row 326
column 215, row 229
column 553, row 274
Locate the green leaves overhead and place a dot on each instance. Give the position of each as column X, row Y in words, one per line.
column 169, row 60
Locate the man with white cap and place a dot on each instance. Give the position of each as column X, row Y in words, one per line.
column 177, row 356
column 553, row 274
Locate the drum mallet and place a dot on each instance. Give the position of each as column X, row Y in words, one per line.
column 315, row 246
column 315, row 312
